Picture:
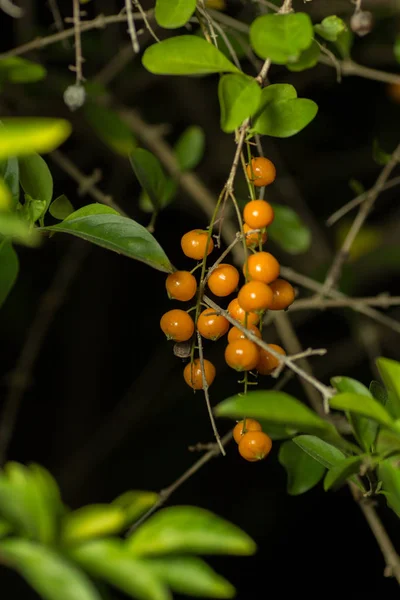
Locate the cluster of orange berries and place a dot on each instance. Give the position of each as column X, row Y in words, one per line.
column 263, row 290
column 252, row 442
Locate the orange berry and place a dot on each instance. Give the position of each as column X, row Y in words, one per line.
column 267, row 362
column 223, row 280
column 242, row 355
column 283, row 294
column 261, row 266
column 194, row 244
column 177, row 325
column 235, row 333
column 237, row 312
column 181, row 285
column 250, row 425
column 255, row 296
column 261, row 171
column 210, row 325
column 258, row 214
column 254, row 239
column 255, row 445
column 193, row 376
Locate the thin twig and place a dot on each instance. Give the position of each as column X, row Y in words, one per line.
column 58, row 22
column 365, row 208
column 206, row 394
column 78, row 45
column 146, row 20
column 225, row 253
column 48, row 306
column 382, row 300
column 131, row 26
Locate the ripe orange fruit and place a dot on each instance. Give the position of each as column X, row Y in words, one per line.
column 210, row 325
column 235, row 333
column 237, row 312
column 192, row 373
column 223, row 280
column 258, row 214
column 181, row 285
column 261, row 266
column 250, row 425
column 254, row 239
column 283, row 294
column 261, row 171
column 267, row 362
column 255, row 296
column 242, row 355
column 194, row 244
column 177, row 325
column 255, row 445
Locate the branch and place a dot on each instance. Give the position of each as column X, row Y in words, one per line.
column 312, row 303
column 131, row 26
column 78, row 44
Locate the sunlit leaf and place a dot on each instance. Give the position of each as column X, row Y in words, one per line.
column 93, row 520
column 172, row 15
column 22, row 135
column 363, row 405
column 281, row 37
column 19, row 70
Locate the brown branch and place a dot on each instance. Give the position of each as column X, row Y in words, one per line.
column 78, row 45
column 131, row 26
column 314, row 303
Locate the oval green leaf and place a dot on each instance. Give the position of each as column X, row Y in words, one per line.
column 326, row 454
column 110, row 128
column 189, row 149
column 61, row 208
column 94, row 520
column 150, row 175
column 135, row 503
column 275, row 92
column 19, row 70
column 285, row 118
column 239, row 98
column 191, row 576
column 362, row 405
column 288, row 230
column 303, row 471
column 186, row 55
column 307, row 59
column 9, row 267
column 389, row 370
column 189, row 529
column 35, row 178
column 172, row 15
column 342, row 471
column 389, row 474
column 50, row 575
column 118, row 234
column 21, row 136
column 281, row 37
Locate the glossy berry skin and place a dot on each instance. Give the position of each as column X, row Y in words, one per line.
column 223, row 280
column 237, row 312
column 235, row 333
column 267, row 362
column 193, row 377
column 177, row 325
column 181, row 285
column 254, row 239
column 242, row 355
column 258, row 214
column 255, row 296
column 210, row 325
column 194, row 244
column 250, row 425
column 261, row 171
column 261, row 266
column 283, row 294
column 255, row 445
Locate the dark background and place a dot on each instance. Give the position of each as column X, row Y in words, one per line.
column 107, row 408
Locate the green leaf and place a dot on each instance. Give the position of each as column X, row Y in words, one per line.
column 49, row 491
column 110, row 560
column 396, row 48
column 189, row 529
column 288, row 230
column 356, row 186
column 363, row 405
column 303, row 471
column 324, row 453
column 20, row 70
column 110, row 128
column 5, row 196
column 307, row 59
column 275, row 92
column 61, row 208
column 22, row 136
column 17, row 229
column 388, row 442
column 135, row 503
column 51, row 575
column 91, row 209
column 116, row 233
column 5, row 528
column 35, row 178
column 186, row 55
column 191, row 576
column 285, row 118
column 344, row 43
column 189, row 149
column 379, row 155
column 172, row 15
column 150, row 175
column 365, row 430
column 239, row 97
column 280, row 37
column 389, row 370
column 275, row 407
column 378, row 392
column 9, row 171
column 94, row 520
column 389, row 474
column 342, row 471
column 32, row 210
column 9, row 267
column 330, row 28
